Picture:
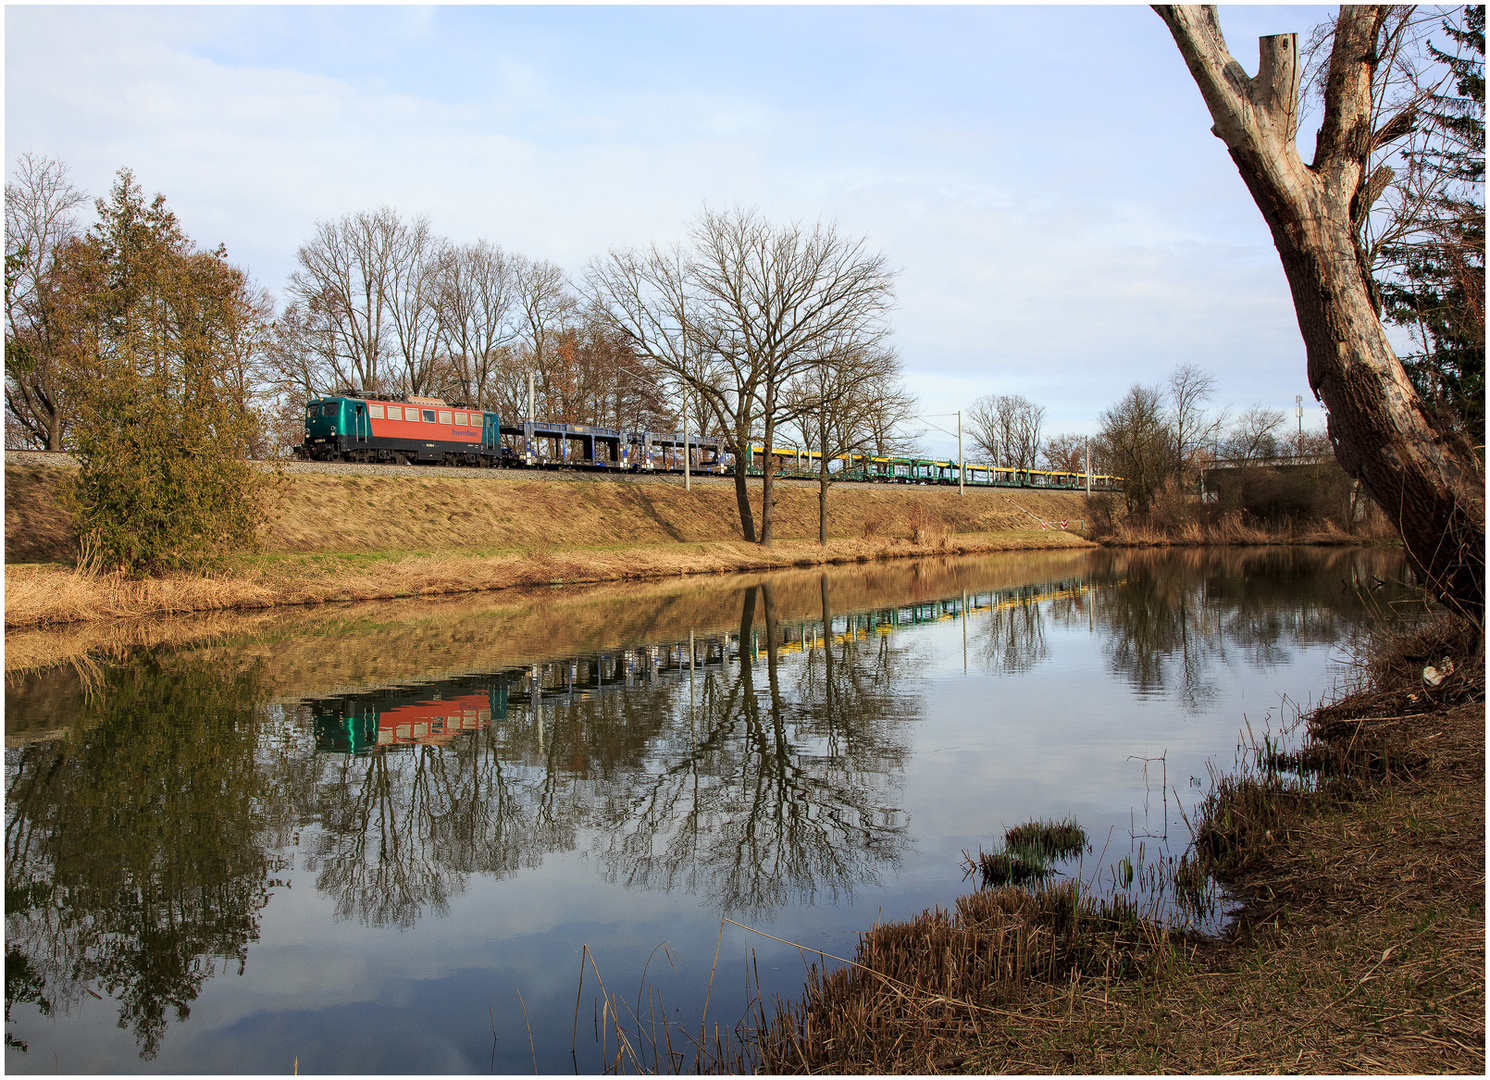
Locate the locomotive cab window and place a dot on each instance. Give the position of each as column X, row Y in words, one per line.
column 429, row 416
column 310, row 411
column 329, row 410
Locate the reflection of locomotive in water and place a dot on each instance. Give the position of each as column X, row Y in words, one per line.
column 431, row 431
column 408, row 716
column 436, row 713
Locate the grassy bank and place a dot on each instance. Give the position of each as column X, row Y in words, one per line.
column 1361, row 947
column 358, row 537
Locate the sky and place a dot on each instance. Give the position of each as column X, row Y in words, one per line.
column 1042, row 178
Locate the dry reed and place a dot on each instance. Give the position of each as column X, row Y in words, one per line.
column 918, row 994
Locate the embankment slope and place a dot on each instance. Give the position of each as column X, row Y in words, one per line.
column 410, row 509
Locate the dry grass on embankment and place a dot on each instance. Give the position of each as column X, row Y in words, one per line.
column 1361, row 947
column 1232, row 531
column 357, row 537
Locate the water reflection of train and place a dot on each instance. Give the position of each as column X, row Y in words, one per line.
column 436, row 713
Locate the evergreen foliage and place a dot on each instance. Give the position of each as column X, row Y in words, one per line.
column 1439, row 290
column 161, row 435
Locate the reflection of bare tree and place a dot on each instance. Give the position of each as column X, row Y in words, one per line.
column 775, row 795
column 1170, row 618
column 1162, row 634
column 1011, row 637
column 376, row 851
column 401, row 830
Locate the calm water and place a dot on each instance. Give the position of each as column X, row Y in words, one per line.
column 351, row 838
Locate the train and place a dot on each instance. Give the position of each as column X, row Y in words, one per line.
column 414, row 430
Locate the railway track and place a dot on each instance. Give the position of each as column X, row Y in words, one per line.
column 343, row 468
column 346, row 468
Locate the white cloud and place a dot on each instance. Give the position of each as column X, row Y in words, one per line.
column 1064, row 244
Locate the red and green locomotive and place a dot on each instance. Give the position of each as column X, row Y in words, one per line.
column 416, row 429
column 431, row 431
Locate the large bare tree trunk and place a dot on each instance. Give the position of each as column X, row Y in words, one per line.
column 742, row 499
column 768, row 472
column 1429, row 481
column 822, row 492
column 742, row 473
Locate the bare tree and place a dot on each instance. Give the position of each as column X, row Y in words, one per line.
column 303, row 358
column 1193, row 428
column 39, row 221
column 651, row 300
column 545, row 306
column 1065, row 453
column 1254, row 436
column 777, row 299
column 477, row 297
column 742, row 312
column 890, row 429
column 414, row 286
column 1429, row 481
column 345, row 289
column 840, row 403
column 1136, row 443
column 604, row 382
column 1006, row 428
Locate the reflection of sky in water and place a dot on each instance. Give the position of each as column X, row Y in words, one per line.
column 806, row 821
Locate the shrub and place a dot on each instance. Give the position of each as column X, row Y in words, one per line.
column 157, row 334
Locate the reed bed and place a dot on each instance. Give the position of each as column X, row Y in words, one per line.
column 919, row 994
column 1028, row 854
column 1233, row 531
column 1055, row 839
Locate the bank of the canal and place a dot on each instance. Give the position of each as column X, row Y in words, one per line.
column 1360, row 946
column 362, row 533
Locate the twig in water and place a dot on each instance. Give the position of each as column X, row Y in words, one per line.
column 531, row 1050
column 703, row 1019
column 642, row 985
